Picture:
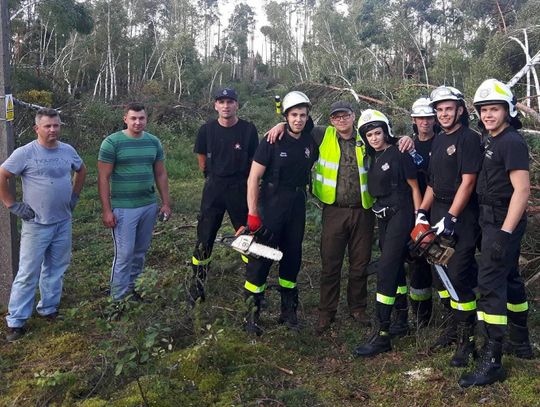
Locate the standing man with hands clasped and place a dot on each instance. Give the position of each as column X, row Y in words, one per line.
column 130, row 163
column 45, row 166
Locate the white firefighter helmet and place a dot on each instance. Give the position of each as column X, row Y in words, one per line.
column 294, row 98
column 376, row 119
column 422, row 108
column 444, row 92
column 492, row 91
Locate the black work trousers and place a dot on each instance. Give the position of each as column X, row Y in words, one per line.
column 345, row 229
column 501, row 288
column 219, row 195
column 283, row 212
column 461, row 266
column 393, row 237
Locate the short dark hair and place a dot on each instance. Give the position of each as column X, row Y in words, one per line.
column 46, row 111
column 135, row 106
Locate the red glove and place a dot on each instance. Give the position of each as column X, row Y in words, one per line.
column 254, row 222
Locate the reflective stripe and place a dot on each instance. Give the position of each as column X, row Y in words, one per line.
column 253, row 288
column 463, row 306
column 363, row 188
column 492, row 319
column 326, row 181
column 362, row 170
column 420, row 294
column 329, row 164
column 244, row 259
column 524, row 306
column 383, row 299
column 286, row 283
column 198, row 262
column 401, row 289
column 443, row 294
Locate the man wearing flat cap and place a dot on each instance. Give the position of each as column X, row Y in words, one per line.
column 224, row 148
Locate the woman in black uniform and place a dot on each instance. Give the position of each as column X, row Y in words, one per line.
column 503, row 190
column 392, row 182
column 280, row 205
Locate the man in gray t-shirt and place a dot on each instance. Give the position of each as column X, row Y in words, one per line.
column 45, row 166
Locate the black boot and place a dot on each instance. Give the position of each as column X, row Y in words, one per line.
column 488, row 368
column 378, row 343
column 465, row 345
column 253, row 303
column 448, row 335
column 289, row 305
column 518, row 343
column 421, row 312
column 400, row 325
column 196, row 288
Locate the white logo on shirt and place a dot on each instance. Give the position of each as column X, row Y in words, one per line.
column 385, row 167
column 489, row 153
column 237, row 146
column 307, row 152
column 283, row 154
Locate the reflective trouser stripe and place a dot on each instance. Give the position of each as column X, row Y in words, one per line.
column 401, row 289
column 244, row 259
column 383, row 299
column 420, row 294
column 253, row 288
column 524, row 306
column 463, row 306
column 491, row 319
column 198, row 262
column 286, row 283
column 443, row 294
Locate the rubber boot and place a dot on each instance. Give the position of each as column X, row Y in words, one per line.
column 518, row 343
column 253, row 304
column 448, row 335
column 289, row 305
column 379, row 342
column 400, row 325
column 422, row 312
column 196, row 288
column 465, row 344
column 488, row 368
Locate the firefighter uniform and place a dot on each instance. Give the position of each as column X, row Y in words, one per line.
column 282, row 208
column 501, row 288
column 228, row 151
column 420, row 271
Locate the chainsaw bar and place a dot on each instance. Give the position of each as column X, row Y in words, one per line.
column 246, row 245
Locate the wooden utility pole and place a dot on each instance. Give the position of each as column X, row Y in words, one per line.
column 9, row 244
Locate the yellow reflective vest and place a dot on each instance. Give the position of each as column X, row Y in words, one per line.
column 326, row 169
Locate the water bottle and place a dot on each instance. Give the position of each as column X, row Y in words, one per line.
column 417, row 158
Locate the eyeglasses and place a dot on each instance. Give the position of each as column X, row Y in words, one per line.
column 341, row 117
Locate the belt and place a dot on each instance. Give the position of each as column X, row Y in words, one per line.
column 271, row 185
column 350, row 206
column 485, row 200
column 443, row 199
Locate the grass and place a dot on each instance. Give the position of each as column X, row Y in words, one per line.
column 162, row 354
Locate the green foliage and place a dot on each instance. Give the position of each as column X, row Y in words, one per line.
column 38, row 97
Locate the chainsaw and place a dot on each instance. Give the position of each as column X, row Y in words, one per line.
column 437, row 250
column 245, row 242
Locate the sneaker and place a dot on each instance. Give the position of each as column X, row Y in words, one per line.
column 55, row 316
column 14, row 334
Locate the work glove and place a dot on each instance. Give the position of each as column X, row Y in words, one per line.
column 421, row 218
column 22, row 210
column 73, row 201
column 498, row 246
column 446, row 225
column 254, row 223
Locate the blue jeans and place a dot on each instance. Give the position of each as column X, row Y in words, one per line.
column 44, row 257
column 132, row 236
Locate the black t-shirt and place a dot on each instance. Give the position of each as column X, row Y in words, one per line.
column 503, row 153
column 424, row 149
column 451, row 156
column 289, row 159
column 228, row 150
column 389, row 171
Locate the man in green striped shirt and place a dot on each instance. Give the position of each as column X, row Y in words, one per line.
column 130, row 165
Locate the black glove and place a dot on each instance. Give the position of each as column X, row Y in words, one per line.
column 22, row 210
column 73, row 201
column 498, row 246
column 446, row 225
